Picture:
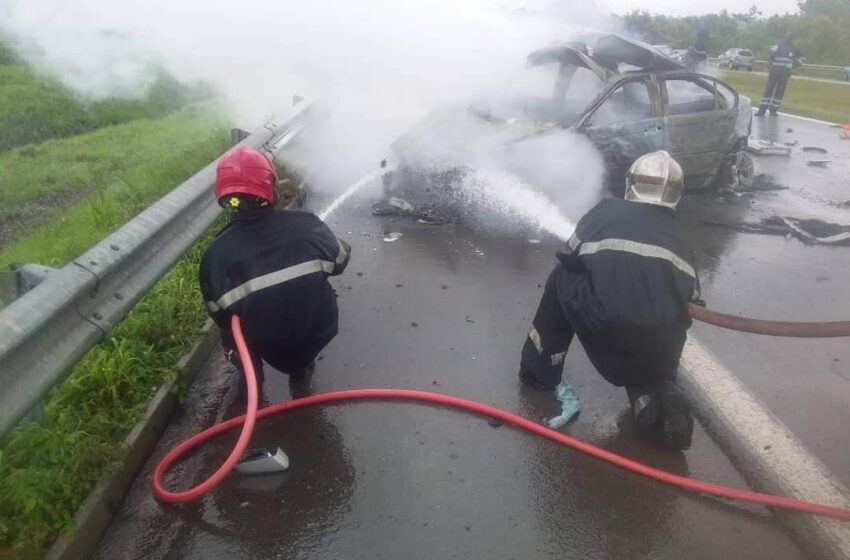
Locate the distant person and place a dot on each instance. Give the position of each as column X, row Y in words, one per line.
column 694, row 59
column 623, row 285
column 270, row 268
column 784, row 57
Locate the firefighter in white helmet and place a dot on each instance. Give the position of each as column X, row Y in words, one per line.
column 622, row 285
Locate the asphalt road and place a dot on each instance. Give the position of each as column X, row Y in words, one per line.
column 446, row 308
column 806, row 383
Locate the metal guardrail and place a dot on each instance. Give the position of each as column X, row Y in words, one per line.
column 820, row 66
column 811, row 71
column 47, row 330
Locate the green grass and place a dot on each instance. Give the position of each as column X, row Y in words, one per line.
column 819, row 100
column 47, row 469
column 35, row 107
column 105, row 177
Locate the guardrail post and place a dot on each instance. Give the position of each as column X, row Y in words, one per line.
column 19, row 279
column 14, row 283
column 237, row 135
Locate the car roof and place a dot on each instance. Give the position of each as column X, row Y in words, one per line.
column 660, row 74
column 604, row 54
column 682, row 73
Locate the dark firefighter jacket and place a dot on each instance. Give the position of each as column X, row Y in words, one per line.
column 629, row 275
column 271, row 268
column 785, row 54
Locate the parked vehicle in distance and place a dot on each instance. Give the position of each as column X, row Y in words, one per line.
column 737, row 58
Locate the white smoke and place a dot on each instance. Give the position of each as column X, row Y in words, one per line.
column 377, row 66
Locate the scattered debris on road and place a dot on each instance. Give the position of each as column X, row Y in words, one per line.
column 425, row 214
column 767, row 148
column 817, row 231
column 810, row 231
column 394, row 236
column 814, row 149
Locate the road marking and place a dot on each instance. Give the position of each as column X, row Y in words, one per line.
column 769, row 456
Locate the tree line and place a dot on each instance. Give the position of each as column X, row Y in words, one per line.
column 821, row 28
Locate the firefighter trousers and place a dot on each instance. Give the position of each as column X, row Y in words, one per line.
column 560, row 317
column 774, row 91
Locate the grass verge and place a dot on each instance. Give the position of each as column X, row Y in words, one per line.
column 35, row 107
column 104, row 176
column 47, row 469
column 818, row 100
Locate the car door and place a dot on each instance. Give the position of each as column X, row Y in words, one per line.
column 625, row 123
column 698, row 121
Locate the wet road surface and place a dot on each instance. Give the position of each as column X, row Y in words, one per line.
column 806, row 383
column 447, row 309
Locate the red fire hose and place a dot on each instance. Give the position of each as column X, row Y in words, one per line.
column 248, row 420
column 229, row 464
column 772, row 328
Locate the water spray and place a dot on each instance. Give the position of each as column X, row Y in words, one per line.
column 506, row 194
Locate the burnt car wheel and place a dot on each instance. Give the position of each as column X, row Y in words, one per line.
column 745, row 171
column 737, row 172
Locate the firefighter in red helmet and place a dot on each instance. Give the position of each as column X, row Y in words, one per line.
column 270, row 268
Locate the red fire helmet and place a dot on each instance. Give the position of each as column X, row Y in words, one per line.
column 246, row 171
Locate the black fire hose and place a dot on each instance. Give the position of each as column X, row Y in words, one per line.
column 772, row 328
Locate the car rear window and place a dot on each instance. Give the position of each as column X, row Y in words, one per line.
column 744, row 52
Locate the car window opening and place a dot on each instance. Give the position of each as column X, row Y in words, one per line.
column 686, row 96
column 630, row 102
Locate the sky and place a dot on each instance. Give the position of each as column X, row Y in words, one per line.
column 691, row 7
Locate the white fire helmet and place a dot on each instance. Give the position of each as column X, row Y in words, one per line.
column 655, row 178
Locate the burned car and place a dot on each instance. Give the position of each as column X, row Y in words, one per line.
column 627, row 98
